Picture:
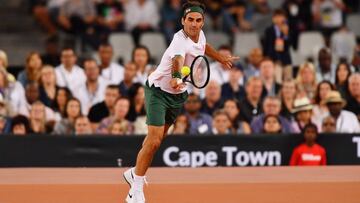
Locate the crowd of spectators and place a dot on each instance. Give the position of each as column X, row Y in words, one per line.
column 62, row 93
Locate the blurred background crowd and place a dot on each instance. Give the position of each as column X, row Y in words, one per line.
column 300, row 63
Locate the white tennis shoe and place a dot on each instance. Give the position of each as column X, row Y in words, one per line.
column 135, row 195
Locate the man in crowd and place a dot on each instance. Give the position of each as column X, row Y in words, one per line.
column 111, row 71
column 200, row 123
column 250, row 106
column 212, row 100
column 353, row 100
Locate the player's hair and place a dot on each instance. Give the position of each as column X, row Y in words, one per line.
column 189, row 4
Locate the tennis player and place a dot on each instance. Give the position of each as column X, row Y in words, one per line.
column 165, row 93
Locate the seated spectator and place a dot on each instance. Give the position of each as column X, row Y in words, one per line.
column 212, row 100
column 32, row 70
column 302, row 113
column 68, row 74
column 47, row 85
column 110, row 17
column 37, row 118
column 233, row 89
column 66, row 125
column 219, row 72
column 309, row 153
column 181, row 125
column 141, row 16
column 137, row 102
column 121, row 110
column 20, row 125
column 78, row 17
column 353, row 99
column 277, row 40
column 287, row 96
column 234, row 17
column 342, row 75
column 82, row 126
column 267, row 75
column 320, row 110
column 199, row 123
column 104, row 109
column 51, row 55
column 111, row 71
column 221, row 123
column 272, row 125
column 253, row 63
column 328, row 125
column 129, row 77
column 4, row 64
column 141, row 57
column 271, row 106
column 346, row 121
column 62, row 96
column 306, row 80
column 326, row 69
column 5, row 107
column 231, row 107
column 13, row 92
column 171, row 12
column 92, row 91
column 119, row 128
column 251, row 105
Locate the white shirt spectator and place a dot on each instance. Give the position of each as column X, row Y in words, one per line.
column 137, row 14
column 15, row 95
column 71, row 80
column 330, row 76
column 114, row 74
column 88, row 99
column 347, row 122
column 330, row 14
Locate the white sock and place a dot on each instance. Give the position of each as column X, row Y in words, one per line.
column 138, row 182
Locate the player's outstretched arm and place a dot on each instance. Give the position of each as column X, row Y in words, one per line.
column 177, row 64
column 225, row 60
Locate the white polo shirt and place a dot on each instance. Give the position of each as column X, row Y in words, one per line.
column 180, row 45
column 347, row 122
column 72, row 79
column 114, row 74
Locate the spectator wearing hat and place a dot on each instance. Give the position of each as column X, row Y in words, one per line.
column 346, row 121
column 233, row 89
column 309, row 153
column 328, row 125
column 303, row 113
column 353, row 100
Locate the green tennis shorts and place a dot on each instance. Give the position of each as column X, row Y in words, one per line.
column 162, row 107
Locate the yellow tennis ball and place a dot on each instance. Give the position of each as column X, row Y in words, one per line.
column 185, row 70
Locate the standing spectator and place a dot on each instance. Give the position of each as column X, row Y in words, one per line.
column 170, row 18
column 129, row 75
column 231, row 107
column 118, row 128
column 346, row 121
column 342, row 75
column 181, row 125
column 353, row 99
column 309, row 153
column 92, row 91
column 141, row 16
column 68, row 74
column 267, row 75
column 326, row 69
column 4, row 64
column 328, row 125
column 221, row 123
column 271, row 106
column 278, row 40
column 82, row 126
column 212, row 100
column 72, row 111
column 62, row 96
column 137, row 102
column 250, row 106
column 32, row 70
column 306, row 80
column 320, row 110
column 121, row 110
column 141, row 57
column 233, row 89
column 219, row 72
column 111, row 71
column 106, row 108
column 287, row 96
column 20, row 125
column 37, row 118
column 272, row 125
column 253, row 63
column 302, row 113
column 47, row 85
column 51, row 55
column 110, row 17
column 200, row 123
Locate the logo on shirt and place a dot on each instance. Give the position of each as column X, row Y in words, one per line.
column 310, row 157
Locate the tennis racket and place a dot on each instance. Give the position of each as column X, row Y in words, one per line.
column 199, row 72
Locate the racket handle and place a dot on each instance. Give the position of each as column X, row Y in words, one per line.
column 184, row 78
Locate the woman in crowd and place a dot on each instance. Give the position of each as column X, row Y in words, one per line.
column 342, row 75
column 141, row 58
column 181, row 125
column 37, row 118
column 137, row 101
column 47, row 85
column 4, row 64
column 221, row 123
column 239, row 126
column 287, row 95
column 119, row 127
column 320, row 110
column 20, row 125
column 72, row 111
column 272, row 125
column 32, row 70
column 62, row 96
column 306, row 80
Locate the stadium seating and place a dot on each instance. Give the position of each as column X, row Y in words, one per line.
column 217, row 39
column 310, row 43
column 244, row 42
column 343, row 44
column 122, row 43
column 352, row 22
column 155, row 42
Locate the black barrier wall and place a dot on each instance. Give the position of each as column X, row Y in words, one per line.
column 184, row 151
